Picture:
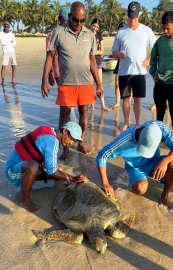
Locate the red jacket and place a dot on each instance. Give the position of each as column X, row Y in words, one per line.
column 26, row 146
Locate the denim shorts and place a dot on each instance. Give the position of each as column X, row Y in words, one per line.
column 136, row 174
column 13, row 169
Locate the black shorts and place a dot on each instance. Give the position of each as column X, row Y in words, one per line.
column 134, row 83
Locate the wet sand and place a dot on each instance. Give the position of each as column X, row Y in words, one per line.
column 148, row 245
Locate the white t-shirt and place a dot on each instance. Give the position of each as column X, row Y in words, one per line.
column 8, row 41
column 134, row 44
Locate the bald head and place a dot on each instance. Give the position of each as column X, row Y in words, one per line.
column 77, row 8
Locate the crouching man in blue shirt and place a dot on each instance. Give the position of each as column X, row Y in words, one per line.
column 35, row 158
column 139, row 146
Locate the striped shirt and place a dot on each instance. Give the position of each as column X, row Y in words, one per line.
column 125, row 145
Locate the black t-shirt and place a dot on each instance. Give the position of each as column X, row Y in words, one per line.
column 99, row 38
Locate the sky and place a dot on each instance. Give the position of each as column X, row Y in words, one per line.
column 149, row 4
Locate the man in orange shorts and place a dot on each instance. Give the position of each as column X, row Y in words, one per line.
column 76, row 48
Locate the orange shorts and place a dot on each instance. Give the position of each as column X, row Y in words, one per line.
column 73, row 95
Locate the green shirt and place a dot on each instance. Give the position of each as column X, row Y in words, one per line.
column 161, row 63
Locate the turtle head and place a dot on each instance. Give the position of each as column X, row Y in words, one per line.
column 100, row 244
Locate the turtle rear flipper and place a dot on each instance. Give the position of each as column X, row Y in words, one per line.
column 60, row 235
column 122, row 227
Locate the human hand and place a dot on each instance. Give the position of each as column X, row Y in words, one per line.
column 121, row 54
column 109, row 190
column 45, row 89
column 99, row 92
column 160, row 170
column 155, row 78
column 145, row 62
column 51, row 79
column 79, row 178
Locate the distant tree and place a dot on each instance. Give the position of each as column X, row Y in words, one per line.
column 164, row 5
column 44, row 13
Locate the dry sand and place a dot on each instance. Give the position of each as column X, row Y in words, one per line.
column 149, row 244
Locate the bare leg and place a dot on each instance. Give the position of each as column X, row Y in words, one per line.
column 83, row 122
column 102, row 99
column 137, row 107
column 29, row 171
column 126, row 113
column 3, row 69
column 168, row 185
column 117, row 92
column 13, row 74
column 141, row 186
column 64, row 118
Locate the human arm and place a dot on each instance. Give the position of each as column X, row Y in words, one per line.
column 154, row 62
column 116, row 53
column 60, row 175
column 107, row 152
column 146, row 62
column 47, row 68
column 167, row 139
column 100, row 51
column 94, row 72
column 161, row 168
column 105, row 182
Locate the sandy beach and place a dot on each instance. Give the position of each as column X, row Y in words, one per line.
column 148, row 246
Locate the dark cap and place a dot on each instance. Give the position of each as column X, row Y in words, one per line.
column 6, row 22
column 133, row 9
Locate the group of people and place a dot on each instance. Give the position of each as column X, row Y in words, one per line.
column 35, row 155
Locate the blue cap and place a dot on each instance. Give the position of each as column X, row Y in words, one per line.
column 63, row 12
column 74, row 129
column 133, row 9
column 149, row 140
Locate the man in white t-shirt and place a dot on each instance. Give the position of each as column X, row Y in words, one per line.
column 8, row 41
column 130, row 46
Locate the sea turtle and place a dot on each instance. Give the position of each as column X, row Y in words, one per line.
column 84, row 207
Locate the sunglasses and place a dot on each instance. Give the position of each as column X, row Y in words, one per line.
column 6, row 26
column 78, row 20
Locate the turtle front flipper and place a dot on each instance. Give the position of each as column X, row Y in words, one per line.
column 60, row 235
column 122, row 227
column 96, row 235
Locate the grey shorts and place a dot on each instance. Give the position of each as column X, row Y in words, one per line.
column 9, row 56
column 134, row 83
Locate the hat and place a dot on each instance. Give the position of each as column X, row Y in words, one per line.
column 74, row 129
column 133, row 9
column 63, row 12
column 6, row 22
column 149, row 140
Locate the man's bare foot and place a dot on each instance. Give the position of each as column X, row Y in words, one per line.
column 92, row 107
column 106, row 109
column 13, row 83
column 116, row 105
column 30, row 206
column 83, row 149
column 2, row 85
column 123, row 128
column 152, row 107
column 65, row 154
column 165, row 200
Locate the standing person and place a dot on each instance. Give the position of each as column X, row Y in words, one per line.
column 76, row 46
column 140, row 148
column 54, row 74
column 161, row 67
column 8, row 41
column 35, row 158
column 117, row 89
column 130, row 47
column 95, row 26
